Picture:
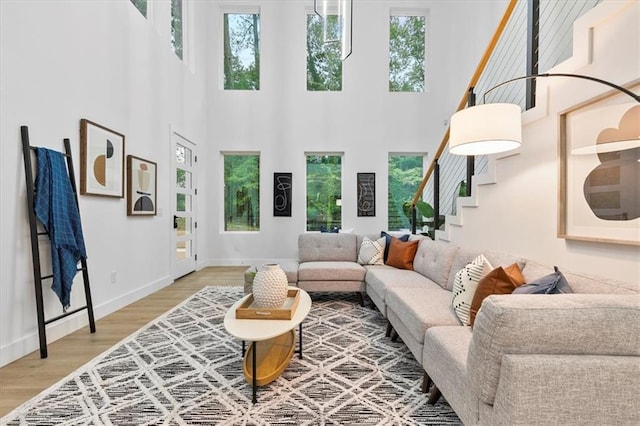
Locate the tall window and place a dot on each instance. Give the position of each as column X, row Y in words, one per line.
column 405, row 174
column 324, row 66
column 241, row 192
column 406, row 53
column 241, row 51
column 176, row 27
column 141, row 5
column 324, row 192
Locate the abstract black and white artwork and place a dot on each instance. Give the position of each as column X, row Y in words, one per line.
column 366, row 194
column 282, row 184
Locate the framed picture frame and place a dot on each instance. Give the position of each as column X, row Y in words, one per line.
column 366, row 194
column 142, row 182
column 282, row 189
column 101, row 160
column 599, row 189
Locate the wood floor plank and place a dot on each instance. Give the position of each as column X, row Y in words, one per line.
column 24, row 378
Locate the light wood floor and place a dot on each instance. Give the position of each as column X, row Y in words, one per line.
column 28, row 376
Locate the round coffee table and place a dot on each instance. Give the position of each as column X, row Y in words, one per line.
column 263, row 363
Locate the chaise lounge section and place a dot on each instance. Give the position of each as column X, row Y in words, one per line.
column 541, row 359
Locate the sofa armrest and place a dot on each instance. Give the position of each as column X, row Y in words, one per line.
column 566, row 389
column 568, row 324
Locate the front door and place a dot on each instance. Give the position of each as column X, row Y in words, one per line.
column 184, row 208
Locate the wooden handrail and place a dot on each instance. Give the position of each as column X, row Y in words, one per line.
column 474, row 80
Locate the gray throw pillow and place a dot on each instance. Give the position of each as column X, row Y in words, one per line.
column 554, row 283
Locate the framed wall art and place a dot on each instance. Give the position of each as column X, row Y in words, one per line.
column 599, row 184
column 366, row 194
column 142, row 179
column 101, row 160
column 282, row 185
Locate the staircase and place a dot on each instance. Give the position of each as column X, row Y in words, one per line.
column 510, row 54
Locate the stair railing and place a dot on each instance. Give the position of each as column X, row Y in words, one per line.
column 463, row 102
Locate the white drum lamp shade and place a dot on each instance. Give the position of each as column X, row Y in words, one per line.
column 486, row 129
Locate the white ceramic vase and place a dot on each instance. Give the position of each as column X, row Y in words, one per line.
column 270, row 286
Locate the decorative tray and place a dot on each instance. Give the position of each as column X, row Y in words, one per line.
column 247, row 310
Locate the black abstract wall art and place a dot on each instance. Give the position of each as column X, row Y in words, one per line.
column 282, row 184
column 366, row 194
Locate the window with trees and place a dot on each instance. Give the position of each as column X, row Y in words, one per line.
column 176, row 27
column 141, row 5
column 324, row 66
column 324, row 192
column 405, row 174
column 241, row 51
column 407, row 53
column 241, row 192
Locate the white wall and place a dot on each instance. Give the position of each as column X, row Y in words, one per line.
column 364, row 121
column 101, row 60
column 519, row 213
column 62, row 61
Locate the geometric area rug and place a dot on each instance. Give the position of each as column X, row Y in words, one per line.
column 183, row 368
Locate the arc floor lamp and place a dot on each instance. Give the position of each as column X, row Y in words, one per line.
column 497, row 127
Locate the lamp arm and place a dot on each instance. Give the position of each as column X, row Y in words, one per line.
column 585, row 77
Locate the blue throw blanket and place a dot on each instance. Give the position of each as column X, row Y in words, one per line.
column 57, row 209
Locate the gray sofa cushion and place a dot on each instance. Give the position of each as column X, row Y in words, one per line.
column 434, row 259
column 331, row 271
column 581, row 283
column 465, row 255
column 421, row 308
column 549, row 324
column 327, row 247
column 381, row 278
column 444, row 358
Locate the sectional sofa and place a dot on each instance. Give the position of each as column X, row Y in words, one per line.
column 529, row 359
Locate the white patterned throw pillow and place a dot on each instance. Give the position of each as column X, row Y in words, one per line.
column 371, row 252
column 465, row 284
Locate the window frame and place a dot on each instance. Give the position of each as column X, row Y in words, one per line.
column 306, row 184
column 183, row 19
column 425, row 165
column 330, row 12
column 411, row 12
column 223, row 221
column 240, row 10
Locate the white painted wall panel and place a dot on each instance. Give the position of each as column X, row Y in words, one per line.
column 66, row 60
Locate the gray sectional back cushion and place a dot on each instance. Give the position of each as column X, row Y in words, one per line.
column 433, row 260
column 465, row 256
column 581, row 283
column 327, row 247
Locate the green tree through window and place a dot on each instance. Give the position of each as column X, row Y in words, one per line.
column 324, row 192
column 176, row 27
column 405, row 174
column 324, row 66
column 141, row 5
column 241, row 51
column 406, row 53
column 242, row 192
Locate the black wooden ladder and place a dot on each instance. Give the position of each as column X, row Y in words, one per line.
column 35, row 251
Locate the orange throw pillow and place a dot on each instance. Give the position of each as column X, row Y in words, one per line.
column 401, row 254
column 499, row 281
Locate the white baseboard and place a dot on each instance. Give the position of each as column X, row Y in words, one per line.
column 68, row 325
